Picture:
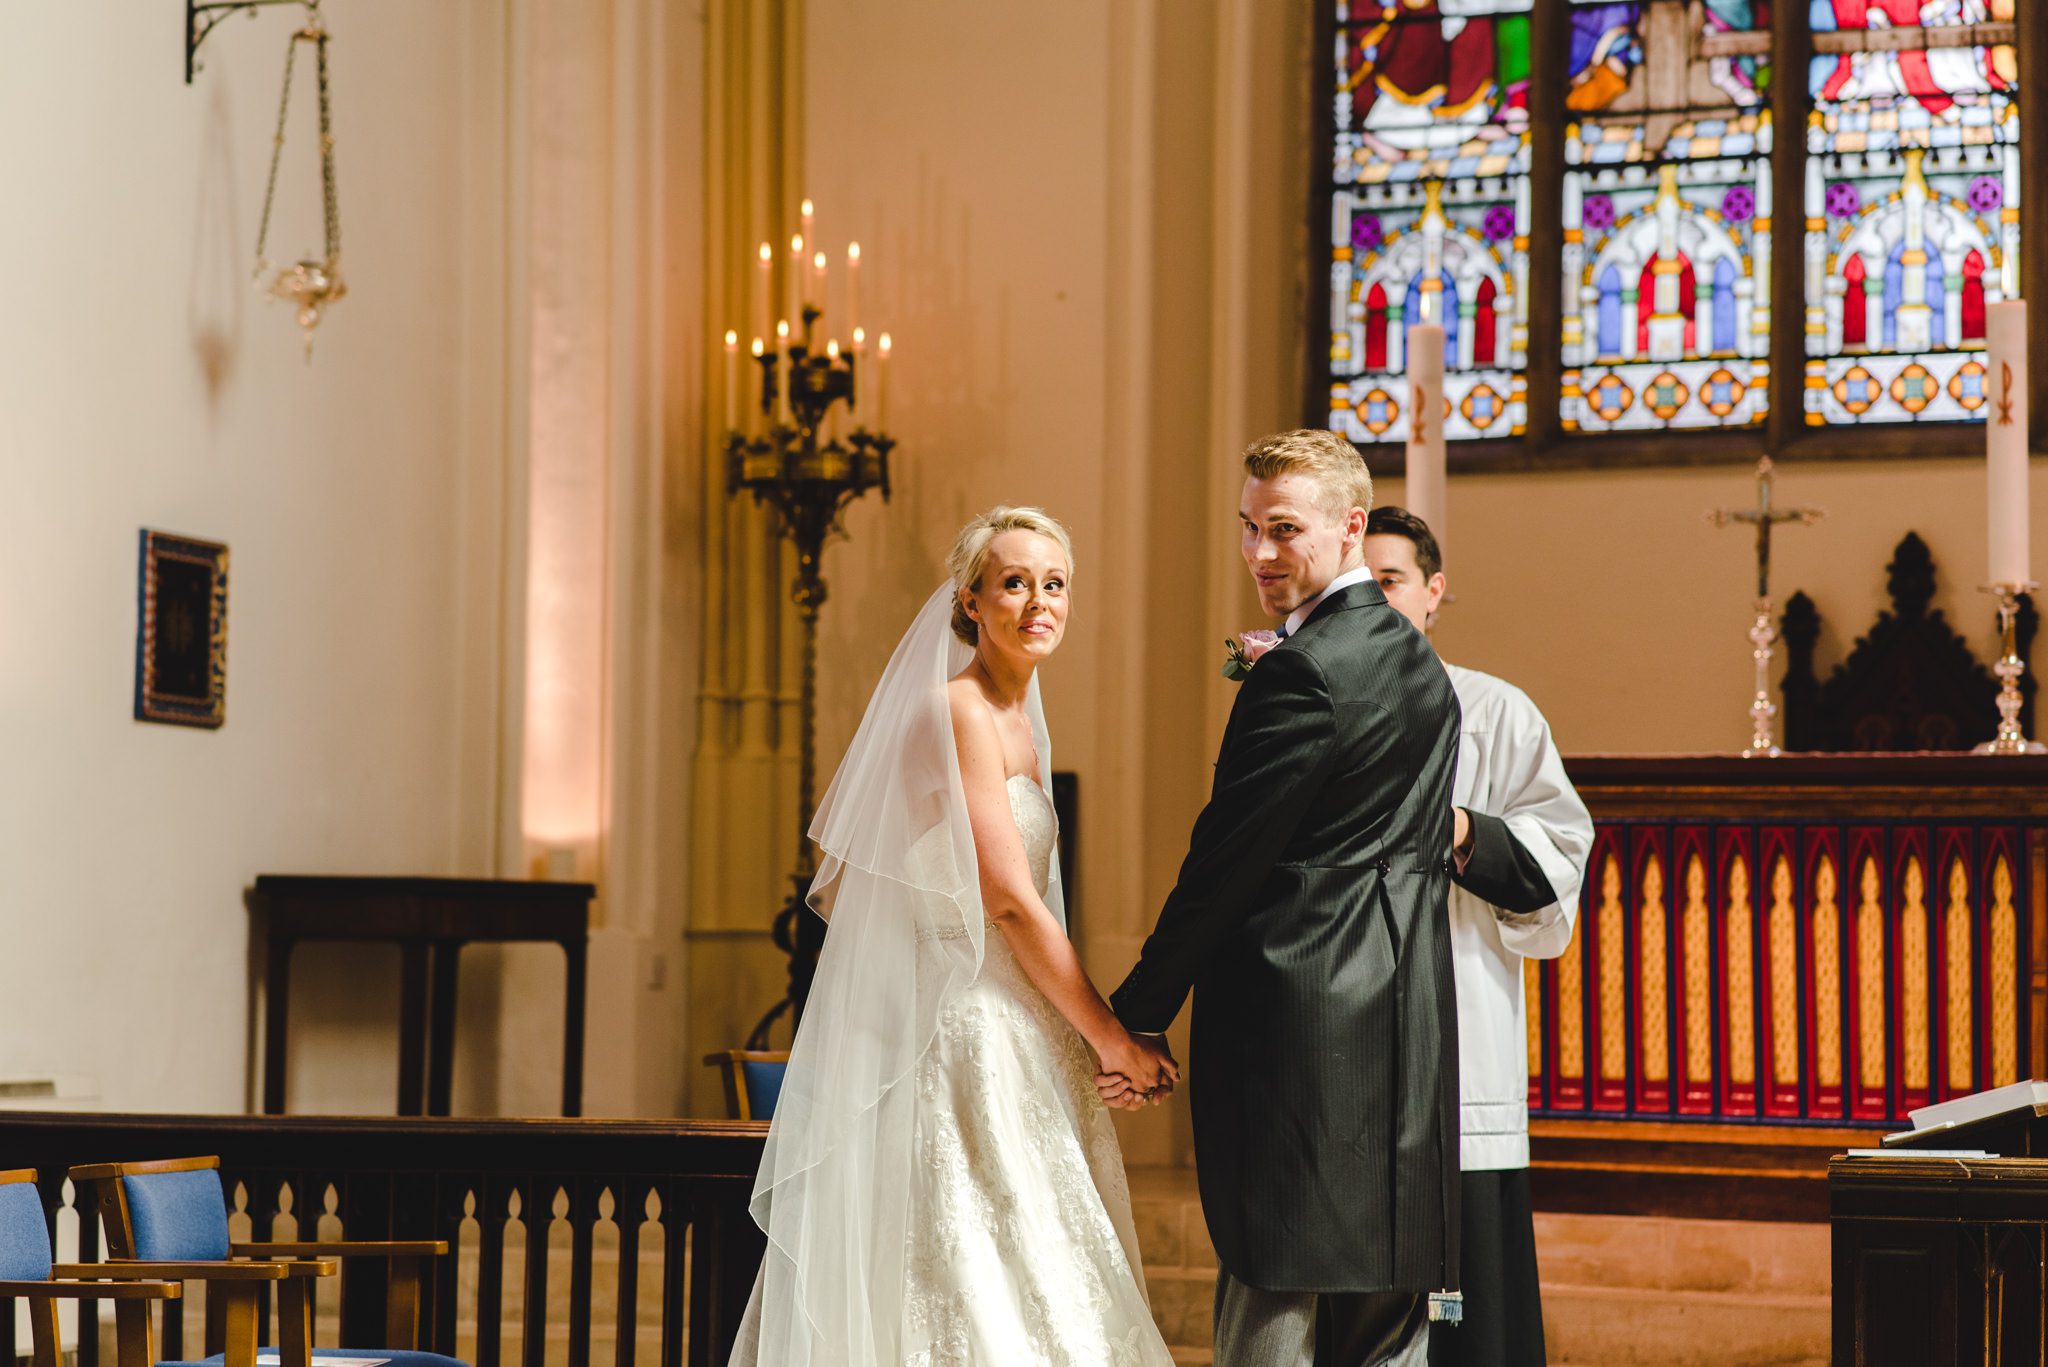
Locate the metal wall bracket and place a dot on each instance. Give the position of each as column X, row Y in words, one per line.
column 202, row 18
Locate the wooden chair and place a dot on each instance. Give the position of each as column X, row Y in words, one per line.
column 753, row 1080
column 176, row 1210
column 27, row 1273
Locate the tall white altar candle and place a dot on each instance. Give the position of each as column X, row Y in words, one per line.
column 1425, row 481
column 2005, row 430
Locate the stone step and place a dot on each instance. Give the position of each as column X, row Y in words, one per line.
column 1607, row 1326
column 1749, row 1256
column 1618, row 1291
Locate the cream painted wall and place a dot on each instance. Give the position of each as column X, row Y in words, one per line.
column 1083, row 226
column 143, row 384
column 1610, row 599
column 1041, row 236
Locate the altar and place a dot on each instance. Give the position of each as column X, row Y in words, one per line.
column 1777, row 959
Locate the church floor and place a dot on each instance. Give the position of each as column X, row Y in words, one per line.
column 1618, row 1291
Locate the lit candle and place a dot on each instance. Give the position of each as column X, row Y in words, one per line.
column 732, row 380
column 1424, row 491
column 882, row 347
column 818, row 281
column 785, row 369
column 860, row 351
column 853, row 292
column 832, row 410
column 807, row 212
column 795, row 282
column 753, row 426
column 2005, row 429
column 764, row 291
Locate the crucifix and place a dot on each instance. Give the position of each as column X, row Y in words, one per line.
column 1763, row 633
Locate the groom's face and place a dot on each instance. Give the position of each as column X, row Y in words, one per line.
column 1293, row 546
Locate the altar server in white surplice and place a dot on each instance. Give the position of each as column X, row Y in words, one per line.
column 1514, row 896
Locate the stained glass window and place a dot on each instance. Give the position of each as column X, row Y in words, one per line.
column 1901, row 131
column 1912, row 205
column 1430, row 210
column 1667, row 207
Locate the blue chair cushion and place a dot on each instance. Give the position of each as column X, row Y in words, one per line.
column 24, row 1238
column 763, row 1082
column 267, row 1357
column 177, row 1216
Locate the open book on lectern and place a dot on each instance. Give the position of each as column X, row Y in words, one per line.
column 2015, row 1097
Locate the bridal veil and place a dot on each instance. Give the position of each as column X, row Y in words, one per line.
column 899, row 884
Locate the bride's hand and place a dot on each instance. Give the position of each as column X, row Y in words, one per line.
column 1136, row 1069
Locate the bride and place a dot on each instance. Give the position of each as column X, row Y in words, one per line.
column 941, row 1186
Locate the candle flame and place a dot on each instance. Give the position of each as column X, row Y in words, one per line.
column 884, row 343
column 796, row 245
column 860, row 336
column 832, row 349
column 782, row 331
column 807, row 210
column 853, row 251
column 732, row 340
column 760, row 347
column 767, row 253
column 819, row 261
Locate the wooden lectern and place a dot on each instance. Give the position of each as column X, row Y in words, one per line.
column 1943, row 1260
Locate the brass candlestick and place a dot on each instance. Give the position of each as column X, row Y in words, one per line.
column 2011, row 739
column 1763, row 634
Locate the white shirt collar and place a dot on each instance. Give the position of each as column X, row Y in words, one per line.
column 1342, row 581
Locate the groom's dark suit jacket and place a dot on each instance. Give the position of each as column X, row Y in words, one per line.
column 1309, row 920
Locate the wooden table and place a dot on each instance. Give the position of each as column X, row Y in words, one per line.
column 430, row 920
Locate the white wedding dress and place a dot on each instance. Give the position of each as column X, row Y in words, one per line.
column 940, row 1186
column 1019, row 1246
column 1022, row 1249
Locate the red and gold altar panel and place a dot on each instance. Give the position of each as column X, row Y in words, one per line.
column 1821, row 939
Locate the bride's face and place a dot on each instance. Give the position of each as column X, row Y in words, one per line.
column 1020, row 604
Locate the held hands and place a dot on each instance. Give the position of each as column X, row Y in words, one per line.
column 1135, row 1069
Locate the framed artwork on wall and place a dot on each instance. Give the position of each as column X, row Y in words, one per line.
column 181, row 631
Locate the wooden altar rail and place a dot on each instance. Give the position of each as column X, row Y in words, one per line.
column 666, row 1195
column 1775, row 958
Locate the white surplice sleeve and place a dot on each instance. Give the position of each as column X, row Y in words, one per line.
column 1531, row 833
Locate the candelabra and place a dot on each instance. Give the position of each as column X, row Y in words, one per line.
column 2011, row 739
column 810, row 477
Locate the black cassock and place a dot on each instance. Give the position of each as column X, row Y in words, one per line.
column 1309, row 920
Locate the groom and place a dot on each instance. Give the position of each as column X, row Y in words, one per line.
column 1309, row 920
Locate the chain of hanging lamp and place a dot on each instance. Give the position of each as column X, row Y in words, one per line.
column 312, row 285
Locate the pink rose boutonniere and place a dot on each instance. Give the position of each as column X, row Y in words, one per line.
column 1245, row 652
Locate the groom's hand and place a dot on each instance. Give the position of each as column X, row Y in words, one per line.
column 1119, row 1091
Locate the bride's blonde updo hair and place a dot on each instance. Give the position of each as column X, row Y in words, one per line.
column 970, row 554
